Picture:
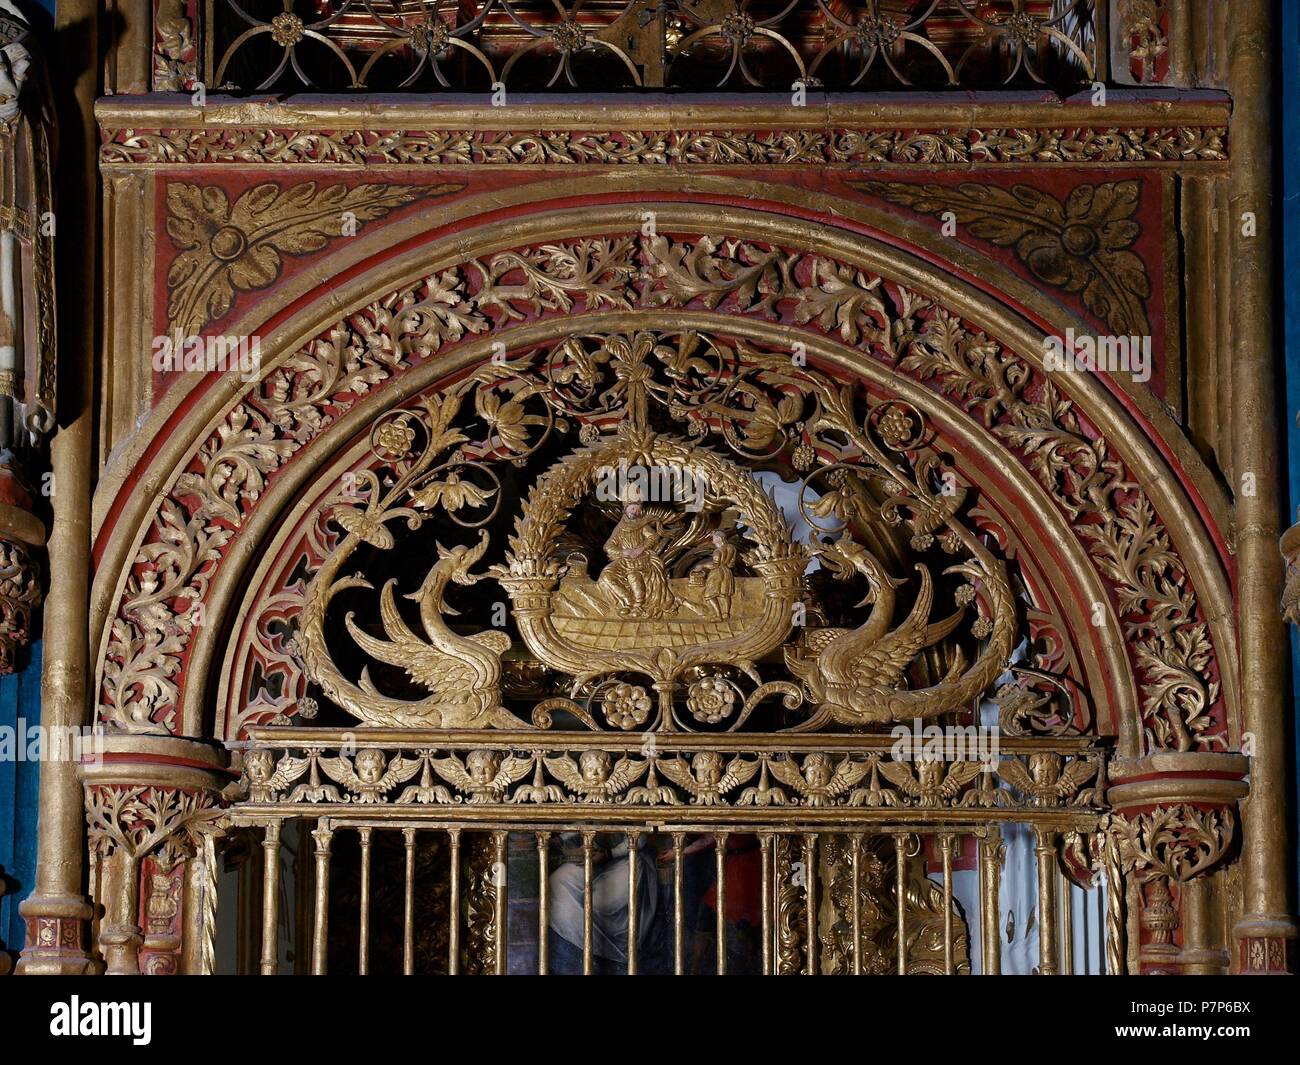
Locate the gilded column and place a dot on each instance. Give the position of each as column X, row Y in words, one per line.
column 57, row 911
column 1265, row 926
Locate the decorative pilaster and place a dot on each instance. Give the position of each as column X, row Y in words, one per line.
column 152, row 814
column 1174, row 820
column 57, row 911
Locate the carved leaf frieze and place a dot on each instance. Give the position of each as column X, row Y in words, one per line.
column 266, row 144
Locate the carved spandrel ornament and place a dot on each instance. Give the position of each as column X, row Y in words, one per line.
column 27, row 331
column 627, row 594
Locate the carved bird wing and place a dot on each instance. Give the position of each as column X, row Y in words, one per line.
column 817, row 640
column 1075, row 776
column 340, row 770
column 959, row 775
column 881, row 665
column 513, row 768
column 801, row 658
column 287, row 770
column 423, row 663
column 626, row 772
column 901, row 776
column 788, row 774
column 679, row 773
column 494, row 640
column 566, row 770
column 1013, row 772
column 847, row 774
column 738, row 771
column 399, row 771
column 453, row 771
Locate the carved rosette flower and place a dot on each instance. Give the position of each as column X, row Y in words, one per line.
column 876, row 32
column 431, row 35
column 737, row 27
column 569, row 37
column 626, row 706
column 287, row 29
column 895, row 428
column 1023, row 29
column 710, row 700
column 394, row 439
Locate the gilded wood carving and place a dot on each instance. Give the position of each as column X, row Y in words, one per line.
column 1116, row 522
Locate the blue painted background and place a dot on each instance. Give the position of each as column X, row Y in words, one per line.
column 20, row 696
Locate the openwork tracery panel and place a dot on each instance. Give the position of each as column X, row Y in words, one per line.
column 435, row 44
column 901, row 329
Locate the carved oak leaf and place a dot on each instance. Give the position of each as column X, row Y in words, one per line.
column 1081, row 245
column 225, row 248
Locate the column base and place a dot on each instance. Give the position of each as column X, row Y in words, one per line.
column 1266, row 943
column 56, row 937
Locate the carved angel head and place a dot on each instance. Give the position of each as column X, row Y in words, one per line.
column 595, row 766
column 930, row 773
column 259, row 765
column 482, row 766
column 1045, row 767
column 707, row 767
column 817, row 769
column 369, row 765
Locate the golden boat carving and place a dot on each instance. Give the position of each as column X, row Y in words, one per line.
column 632, row 616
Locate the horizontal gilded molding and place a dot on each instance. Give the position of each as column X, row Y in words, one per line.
column 369, row 134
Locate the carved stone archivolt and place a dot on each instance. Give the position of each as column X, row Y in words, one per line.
column 806, row 421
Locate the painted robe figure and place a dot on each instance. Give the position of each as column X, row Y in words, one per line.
column 635, row 579
column 718, row 576
column 609, row 903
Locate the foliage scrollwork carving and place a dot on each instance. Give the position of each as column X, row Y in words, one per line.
column 798, row 415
